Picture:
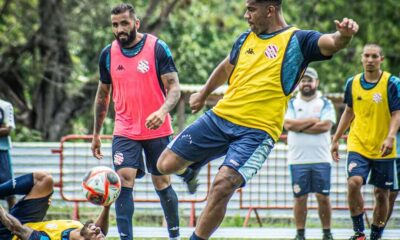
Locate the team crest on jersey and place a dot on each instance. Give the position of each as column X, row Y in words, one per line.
column 352, row 165
column 272, row 51
column 377, row 98
column 143, row 66
column 118, row 158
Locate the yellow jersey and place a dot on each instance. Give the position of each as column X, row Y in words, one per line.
column 255, row 97
column 371, row 123
column 54, row 229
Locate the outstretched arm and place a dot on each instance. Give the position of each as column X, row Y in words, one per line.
column 102, row 220
column 171, row 84
column 344, row 124
column 218, row 77
column 101, row 105
column 14, row 226
column 333, row 42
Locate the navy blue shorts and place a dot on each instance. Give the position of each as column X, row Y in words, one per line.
column 5, row 166
column 307, row 178
column 31, row 210
column 382, row 172
column 128, row 153
column 210, row 137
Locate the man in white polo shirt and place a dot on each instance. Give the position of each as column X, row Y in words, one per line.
column 308, row 120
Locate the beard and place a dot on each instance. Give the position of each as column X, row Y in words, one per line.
column 131, row 36
column 308, row 93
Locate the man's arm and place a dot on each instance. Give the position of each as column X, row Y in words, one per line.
column 218, row 77
column 319, row 127
column 5, row 131
column 171, row 84
column 14, row 226
column 101, row 105
column 299, row 125
column 333, row 42
column 344, row 124
column 387, row 146
column 102, row 220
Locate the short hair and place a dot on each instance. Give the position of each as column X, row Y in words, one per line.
column 374, row 45
column 274, row 2
column 85, row 227
column 123, row 7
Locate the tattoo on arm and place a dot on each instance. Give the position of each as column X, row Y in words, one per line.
column 171, row 83
column 101, row 106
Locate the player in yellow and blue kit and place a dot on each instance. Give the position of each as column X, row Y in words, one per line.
column 263, row 69
column 373, row 115
column 25, row 220
column 395, row 191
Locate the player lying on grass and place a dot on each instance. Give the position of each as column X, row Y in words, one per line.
column 25, row 220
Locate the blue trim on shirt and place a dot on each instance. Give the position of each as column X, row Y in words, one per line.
column 348, row 96
column 234, row 55
column 394, row 93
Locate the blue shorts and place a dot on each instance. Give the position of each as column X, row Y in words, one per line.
column 210, row 137
column 128, row 153
column 31, row 210
column 382, row 172
column 307, row 178
column 5, row 166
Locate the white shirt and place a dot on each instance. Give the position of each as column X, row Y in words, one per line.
column 304, row 148
column 7, row 118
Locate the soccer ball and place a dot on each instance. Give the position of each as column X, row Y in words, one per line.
column 101, row 186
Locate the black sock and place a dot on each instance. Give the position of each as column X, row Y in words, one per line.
column 21, row 185
column 376, row 232
column 326, row 231
column 301, row 232
column 187, row 175
column 195, row 237
column 169, row 204
column 358, row 223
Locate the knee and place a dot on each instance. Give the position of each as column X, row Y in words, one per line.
column 43, row 178
column 354, row 183
column 127, row 179
column 301, row 199
column 165, row 163
column 381, row 194
column 225, row 186
column 322, row 199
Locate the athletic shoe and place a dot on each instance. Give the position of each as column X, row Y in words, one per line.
column 299, row 237
column 192, row 182
column 358, row 236
column 327, row 236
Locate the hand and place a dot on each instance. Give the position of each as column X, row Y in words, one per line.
column 196, row 102
column 335, row 151
column 96, row 145
column 387, row 146
column 156, row 119
column 347, row 28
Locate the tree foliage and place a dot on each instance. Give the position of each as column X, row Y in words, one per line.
column 49, row 49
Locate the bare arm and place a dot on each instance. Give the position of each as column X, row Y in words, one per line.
column 387, row 146
column 218, row 77
column 171, row 84
column 5, row 131
column 101, row 105
column 299, row 125
column 102, row 220
column 333, row 42
column 14, row 226
column 344, row 124
column 319, row 127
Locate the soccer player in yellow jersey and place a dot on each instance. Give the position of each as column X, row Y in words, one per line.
column 373, row 114
column 263, row 69
column 25, row 220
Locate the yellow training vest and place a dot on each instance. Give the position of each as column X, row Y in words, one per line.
column 255, row 96
column 371, row 123
column 53, row 229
